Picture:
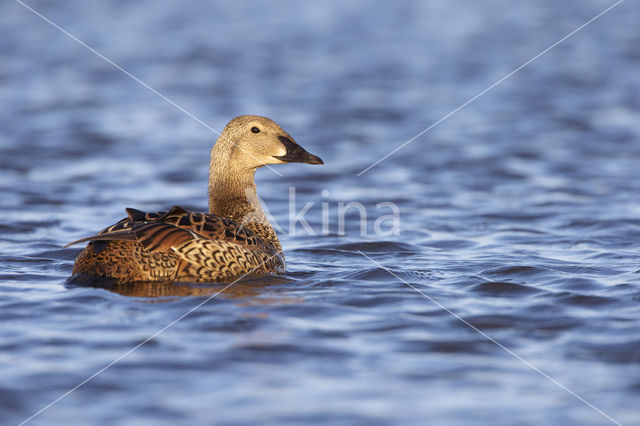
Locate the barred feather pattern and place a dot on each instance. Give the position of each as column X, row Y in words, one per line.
column 178, row 245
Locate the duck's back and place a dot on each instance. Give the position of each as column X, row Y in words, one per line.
column 177, row 245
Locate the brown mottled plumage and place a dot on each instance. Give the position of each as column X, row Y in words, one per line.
column 234, row 238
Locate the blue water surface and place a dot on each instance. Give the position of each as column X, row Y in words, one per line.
column 510, row 294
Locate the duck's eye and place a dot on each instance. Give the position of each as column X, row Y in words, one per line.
column 255, row 130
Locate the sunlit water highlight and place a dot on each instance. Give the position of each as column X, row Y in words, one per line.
column 520, row 213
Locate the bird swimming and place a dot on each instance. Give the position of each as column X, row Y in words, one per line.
column 233, row 239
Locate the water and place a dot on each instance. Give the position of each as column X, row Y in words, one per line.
column 519, row 213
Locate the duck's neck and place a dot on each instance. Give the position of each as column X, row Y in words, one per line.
column 232, row 194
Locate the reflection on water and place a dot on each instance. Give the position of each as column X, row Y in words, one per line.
column 257, row 289
column 519, row 213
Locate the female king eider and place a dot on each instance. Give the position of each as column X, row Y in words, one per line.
column 233, row 239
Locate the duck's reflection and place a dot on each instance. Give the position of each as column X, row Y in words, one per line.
column 259, row 290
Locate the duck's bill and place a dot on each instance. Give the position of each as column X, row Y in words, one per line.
column 296, row 153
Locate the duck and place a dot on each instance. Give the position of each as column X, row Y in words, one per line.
column 233, row 239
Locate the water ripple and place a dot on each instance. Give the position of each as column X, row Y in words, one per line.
column 518, row 214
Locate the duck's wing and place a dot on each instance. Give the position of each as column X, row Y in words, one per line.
column 212, row 227
column 162, row 231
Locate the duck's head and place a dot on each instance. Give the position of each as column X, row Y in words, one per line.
column 251, row 141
